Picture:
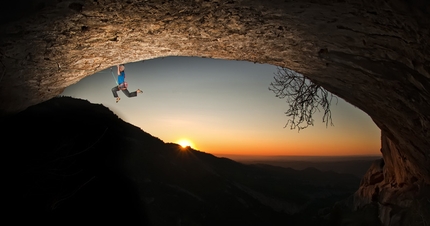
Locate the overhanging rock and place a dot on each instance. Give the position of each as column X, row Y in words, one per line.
column 374, row 54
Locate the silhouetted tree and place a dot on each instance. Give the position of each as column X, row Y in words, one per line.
column 303, row 97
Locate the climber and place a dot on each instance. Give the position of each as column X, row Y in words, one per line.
column 122, row 84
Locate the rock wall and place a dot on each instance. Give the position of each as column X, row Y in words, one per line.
column 400, row 198
column 374, row 54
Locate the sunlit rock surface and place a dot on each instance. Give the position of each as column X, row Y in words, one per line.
column 373, row 54
column 398, row 204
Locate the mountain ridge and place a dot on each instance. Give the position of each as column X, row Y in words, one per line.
column 89, row 162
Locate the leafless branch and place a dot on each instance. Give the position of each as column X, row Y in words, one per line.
column 303, row 97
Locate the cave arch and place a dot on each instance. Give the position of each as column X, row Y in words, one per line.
column 373, row 54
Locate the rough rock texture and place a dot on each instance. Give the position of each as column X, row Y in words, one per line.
column 374, row 54
column 405, row 203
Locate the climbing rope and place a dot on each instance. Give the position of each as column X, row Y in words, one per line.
column 114, row 77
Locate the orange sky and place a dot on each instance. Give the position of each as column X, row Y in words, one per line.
column 346, row 138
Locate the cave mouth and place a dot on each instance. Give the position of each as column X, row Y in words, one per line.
column 373, row 55
column 199, row 90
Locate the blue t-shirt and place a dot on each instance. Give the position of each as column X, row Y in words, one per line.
column 121, row 77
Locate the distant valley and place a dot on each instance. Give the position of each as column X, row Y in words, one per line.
column 356, row 165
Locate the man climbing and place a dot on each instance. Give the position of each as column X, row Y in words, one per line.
column 122, row 85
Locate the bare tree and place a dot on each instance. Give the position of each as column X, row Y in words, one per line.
column 303, row 97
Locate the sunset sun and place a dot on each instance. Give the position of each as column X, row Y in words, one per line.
column 185, row 143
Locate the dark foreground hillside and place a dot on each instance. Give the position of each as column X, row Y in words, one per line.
column 71, row 162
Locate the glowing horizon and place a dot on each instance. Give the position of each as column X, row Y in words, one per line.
column 280, row 151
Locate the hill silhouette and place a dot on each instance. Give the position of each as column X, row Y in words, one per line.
column 73, row 162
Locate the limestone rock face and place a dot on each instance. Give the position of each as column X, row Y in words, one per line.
column 401, row 199
column 374, row 54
